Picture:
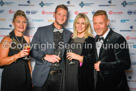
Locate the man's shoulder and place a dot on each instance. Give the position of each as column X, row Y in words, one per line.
column 116, row 36
column 44, row 27
column 67, row 31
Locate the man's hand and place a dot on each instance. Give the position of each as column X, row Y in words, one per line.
column 52, row 58
column 97, row 66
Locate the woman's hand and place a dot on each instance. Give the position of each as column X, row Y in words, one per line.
column 71, row 55
column 23, row 53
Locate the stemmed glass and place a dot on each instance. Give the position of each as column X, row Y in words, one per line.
column 71, row 62
column 27, row 47
column 56, row 64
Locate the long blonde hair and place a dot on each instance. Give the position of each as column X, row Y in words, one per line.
column 88, row 29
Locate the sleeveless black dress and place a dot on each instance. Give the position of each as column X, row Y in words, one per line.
column 16, row 76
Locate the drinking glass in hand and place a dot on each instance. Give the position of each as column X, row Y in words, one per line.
column 71, row 62
column 27, row 47
column 56, row 64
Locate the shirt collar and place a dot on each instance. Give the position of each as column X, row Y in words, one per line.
column 105, row 35
column 55, row 29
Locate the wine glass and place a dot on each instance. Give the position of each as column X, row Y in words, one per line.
column 27, row 47
column 71, row 62
column 56, row 64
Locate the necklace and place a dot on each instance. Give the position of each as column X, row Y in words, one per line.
column 18, row 40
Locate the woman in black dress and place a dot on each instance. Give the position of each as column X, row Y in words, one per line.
column 16, row 74
column 81, row 51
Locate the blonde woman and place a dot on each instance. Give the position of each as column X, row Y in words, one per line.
column 81, row 51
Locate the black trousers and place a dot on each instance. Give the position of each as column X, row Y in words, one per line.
column 53, row 83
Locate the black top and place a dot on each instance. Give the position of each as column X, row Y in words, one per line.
column 16, row 76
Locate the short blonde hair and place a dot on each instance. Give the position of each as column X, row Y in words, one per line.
column 101, row 12
column 88, row 29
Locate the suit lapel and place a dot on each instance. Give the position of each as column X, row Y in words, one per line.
column 96, row 38
column 49, row 37
column 104, row 45
column 65, row 38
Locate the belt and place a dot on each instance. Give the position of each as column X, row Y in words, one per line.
column 55, row 72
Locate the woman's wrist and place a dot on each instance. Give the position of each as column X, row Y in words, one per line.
column 79, row 58
column 15, row 57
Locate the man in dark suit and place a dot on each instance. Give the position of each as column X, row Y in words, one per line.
column 48, row 51
column 112, row 56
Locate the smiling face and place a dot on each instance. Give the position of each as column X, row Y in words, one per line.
column 20, row 23
column 60, row 16
column 100, row 24
column 80, row 26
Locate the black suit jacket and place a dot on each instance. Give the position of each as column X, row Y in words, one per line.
column 115, row 59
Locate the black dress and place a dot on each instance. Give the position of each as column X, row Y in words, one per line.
column 80, row 78
column 16, row 76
